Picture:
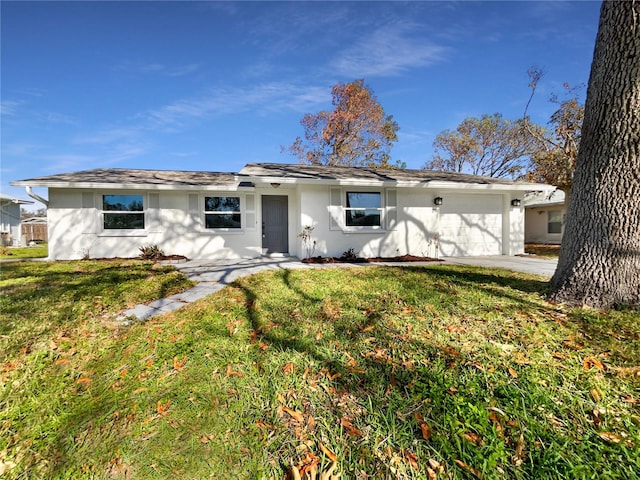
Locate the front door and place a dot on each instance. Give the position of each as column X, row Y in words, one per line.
column 275, row 224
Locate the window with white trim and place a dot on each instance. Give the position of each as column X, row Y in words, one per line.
column 363, row 209
column 554, row 221
column 123, row 212
column 222, row 212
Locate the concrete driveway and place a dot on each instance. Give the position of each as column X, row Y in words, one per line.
column 544, row 267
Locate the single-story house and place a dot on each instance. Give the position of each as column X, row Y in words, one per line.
column 544, row 217
column 10, row 219
column 262, row 210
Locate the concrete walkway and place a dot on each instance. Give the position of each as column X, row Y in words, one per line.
column 213, row 275
column 545, row 267
column 210, row 276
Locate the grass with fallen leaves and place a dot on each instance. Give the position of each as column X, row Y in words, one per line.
column 544, row 250
column 373, row 372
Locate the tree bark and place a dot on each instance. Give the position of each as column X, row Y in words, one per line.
column 599, row 264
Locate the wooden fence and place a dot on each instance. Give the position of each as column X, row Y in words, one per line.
column 34, row 231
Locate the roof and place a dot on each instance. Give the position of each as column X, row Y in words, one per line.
column 265, row 173
column 544, row 199
column 4, row 198
column 131, row 178
column 324, row 172
column 34, row 220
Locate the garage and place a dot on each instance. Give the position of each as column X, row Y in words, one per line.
column 471, row 224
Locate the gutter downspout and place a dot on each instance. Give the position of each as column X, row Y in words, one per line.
column 37, row 197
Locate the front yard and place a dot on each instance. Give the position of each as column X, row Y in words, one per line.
column 13, row 253
column 374, row 372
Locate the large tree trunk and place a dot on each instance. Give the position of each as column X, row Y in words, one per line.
column 599, row 264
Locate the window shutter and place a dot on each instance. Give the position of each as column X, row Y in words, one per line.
column 392, row 209
column 194, row 211
column 89, row 213
column 153, row 212
column 335, row 209
column 250, row 211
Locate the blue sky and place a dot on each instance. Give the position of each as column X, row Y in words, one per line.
column 215, row 85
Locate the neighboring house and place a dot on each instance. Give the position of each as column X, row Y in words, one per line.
column 544, row 217
column 10, row 220
column 262, row 209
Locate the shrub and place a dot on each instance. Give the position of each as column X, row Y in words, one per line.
column 349, row 255
column 151, row 252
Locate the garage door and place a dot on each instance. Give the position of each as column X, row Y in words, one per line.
column 471, row 225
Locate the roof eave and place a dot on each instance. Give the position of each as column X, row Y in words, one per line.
column 125, row 186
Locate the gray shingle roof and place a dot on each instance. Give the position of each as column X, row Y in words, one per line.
column 256, row 171
column 322, row 172
column 125, row 176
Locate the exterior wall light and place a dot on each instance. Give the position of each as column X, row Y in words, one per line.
column 516, row 202
column 275, row 185
column 437, row 201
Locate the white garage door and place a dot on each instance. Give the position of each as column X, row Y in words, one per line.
column 471, row 225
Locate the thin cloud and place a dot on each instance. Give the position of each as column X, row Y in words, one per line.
column 140, row 68
column 9, row 108
column 108, row 136
column 388, row 51
column 262, row 99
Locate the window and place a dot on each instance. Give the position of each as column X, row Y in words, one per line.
column 363, row 209
column 222, row 212
column 123, row 212
column 554, row 221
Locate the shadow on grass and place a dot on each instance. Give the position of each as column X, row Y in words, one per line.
column 383, row 350
column 47, row 295
column 375, row 373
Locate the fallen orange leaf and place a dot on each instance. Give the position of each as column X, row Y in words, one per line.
column 350, row 429
column 231, row 373
column 297, row 416
column 162, row 408
column 413, row 459
column 264, row 425
column 424, row 428
column 288, row 368
column 426, row 431
column 178, row 364
column 473, row 438
column 330, row 455
column 84, row 381
column 590, row 362
column 468, row 468
column 513, row 373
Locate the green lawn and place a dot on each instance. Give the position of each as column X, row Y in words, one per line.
column 438, row 372
column 37, row 251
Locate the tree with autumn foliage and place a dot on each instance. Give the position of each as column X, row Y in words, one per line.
column 357, row 132
column 555, row 160
column 489, row 146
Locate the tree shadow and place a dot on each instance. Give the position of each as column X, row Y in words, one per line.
column 375, row 373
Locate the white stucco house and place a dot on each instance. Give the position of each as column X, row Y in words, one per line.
column 262, row 209
column 545, row 213
column 10, row 220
